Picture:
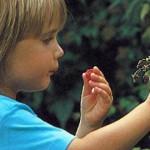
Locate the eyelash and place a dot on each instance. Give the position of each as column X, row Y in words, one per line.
column 48, row 40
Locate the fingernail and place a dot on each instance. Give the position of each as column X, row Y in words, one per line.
column 83, row 75
column 93, row 90
column 95, row 67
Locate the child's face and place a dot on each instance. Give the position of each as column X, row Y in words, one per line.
column 32, row 63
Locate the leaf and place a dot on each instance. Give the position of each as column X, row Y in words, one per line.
column 89, row 31
column 75, row 92
column 117, row 2
column 112, row 111
column 145, row 11
column 142, row 91
column 133, row 12
column 146, row 36
column 37, row 99
column 108, row 33
column 73, row 37
column 70, row 56
column 128, row 31
column 62, row 109
column 128, row 103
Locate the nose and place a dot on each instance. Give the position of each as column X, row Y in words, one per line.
column 59, row 52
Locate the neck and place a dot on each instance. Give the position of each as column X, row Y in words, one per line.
column 7, row 92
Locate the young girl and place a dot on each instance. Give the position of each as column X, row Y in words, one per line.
column 29, row 56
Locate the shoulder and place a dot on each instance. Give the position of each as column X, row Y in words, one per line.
column 8, row 106
column 22, row 126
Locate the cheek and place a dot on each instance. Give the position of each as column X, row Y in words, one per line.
column 35, row 62
column 29, row 79
column 28, row 71
column 29, row 66
column 31, row 55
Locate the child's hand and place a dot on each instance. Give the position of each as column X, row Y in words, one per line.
column 96, row 99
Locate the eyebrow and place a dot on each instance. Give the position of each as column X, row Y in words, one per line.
column 48, row 34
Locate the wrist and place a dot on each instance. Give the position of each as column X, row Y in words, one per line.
column 147, row 108
column 85, row 128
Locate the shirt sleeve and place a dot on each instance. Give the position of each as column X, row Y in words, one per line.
column 22, row 130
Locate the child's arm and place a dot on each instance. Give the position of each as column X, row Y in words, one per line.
column 121, row 135
column 96, row 100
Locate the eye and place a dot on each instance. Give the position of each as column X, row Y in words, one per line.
column 47, row 40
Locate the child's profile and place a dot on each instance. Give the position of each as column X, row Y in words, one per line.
column 29, row 56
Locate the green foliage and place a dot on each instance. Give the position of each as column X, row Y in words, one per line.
column 146, row 36
column 63, row 110
column 145, row 11
column 142, row 91
column 112, row 34
column 127, row 103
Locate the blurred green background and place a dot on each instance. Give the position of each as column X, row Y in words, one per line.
column 112, row 34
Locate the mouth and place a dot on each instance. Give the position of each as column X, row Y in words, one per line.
column 50, row 73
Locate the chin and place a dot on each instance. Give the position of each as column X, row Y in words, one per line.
column 37, row 88
column 42, row 88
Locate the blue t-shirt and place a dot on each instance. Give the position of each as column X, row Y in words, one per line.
column 21, row 129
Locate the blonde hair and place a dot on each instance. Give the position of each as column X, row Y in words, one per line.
column 19, row 18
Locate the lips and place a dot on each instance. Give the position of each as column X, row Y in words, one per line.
column 52, row 72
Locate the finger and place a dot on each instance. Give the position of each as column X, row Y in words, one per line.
column 97, row 71
column 103, row 94
column 102, row 86
column 86, row 87
column 98, row 78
